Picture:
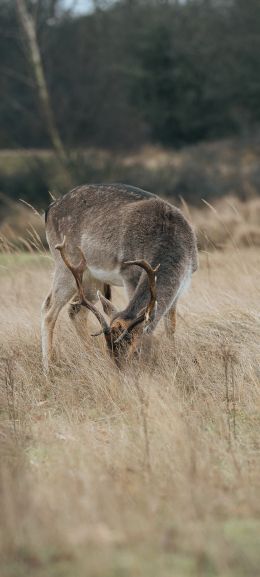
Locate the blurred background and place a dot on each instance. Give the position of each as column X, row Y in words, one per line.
column 161, row 94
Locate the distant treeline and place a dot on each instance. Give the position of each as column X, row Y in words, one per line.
column 166, row 72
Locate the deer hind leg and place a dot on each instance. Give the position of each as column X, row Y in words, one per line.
column 62, row 290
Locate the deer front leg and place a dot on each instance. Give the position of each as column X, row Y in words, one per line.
column 170, row 322
column 79, row 314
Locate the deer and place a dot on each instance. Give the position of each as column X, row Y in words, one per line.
column 116, row 235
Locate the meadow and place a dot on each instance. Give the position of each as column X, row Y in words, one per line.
column 152, row 471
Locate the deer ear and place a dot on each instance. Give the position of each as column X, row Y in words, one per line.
column 108, row 308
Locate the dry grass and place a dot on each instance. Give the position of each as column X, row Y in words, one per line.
column 224, row 223
column 227, row 223
column 154, row 472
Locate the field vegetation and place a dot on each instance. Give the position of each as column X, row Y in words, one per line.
column 216, row 184
column 206, row 170
column 152, row 471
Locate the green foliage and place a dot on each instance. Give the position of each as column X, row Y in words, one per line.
column 172, row 73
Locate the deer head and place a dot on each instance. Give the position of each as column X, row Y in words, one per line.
column 122, row 334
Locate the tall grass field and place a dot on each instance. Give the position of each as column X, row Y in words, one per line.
column 153, row 471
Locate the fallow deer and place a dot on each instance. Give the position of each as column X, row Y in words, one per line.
column 122, row 236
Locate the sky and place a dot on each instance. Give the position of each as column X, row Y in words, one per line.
column 84, row 6
column 79, row 6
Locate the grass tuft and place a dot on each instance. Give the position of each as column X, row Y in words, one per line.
column 154, row 471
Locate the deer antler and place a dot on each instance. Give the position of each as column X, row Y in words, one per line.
column 77, row 272
column 151, row 273
column 146, row 313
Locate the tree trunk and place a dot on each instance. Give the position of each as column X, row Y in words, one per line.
column 28, row 27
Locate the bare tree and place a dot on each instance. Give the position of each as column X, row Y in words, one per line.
column 29, row 30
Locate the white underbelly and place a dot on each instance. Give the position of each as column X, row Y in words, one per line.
column 107, row 276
